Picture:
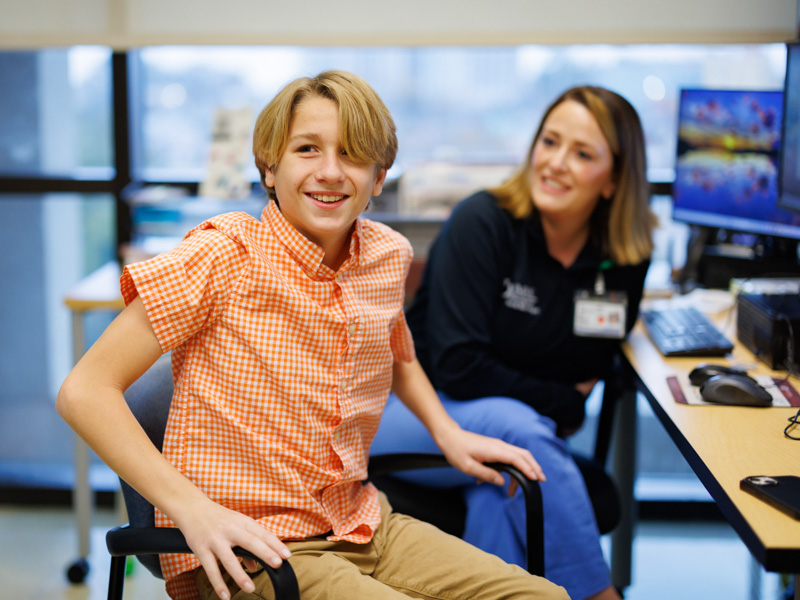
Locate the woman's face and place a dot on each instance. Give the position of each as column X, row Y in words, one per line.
column 571, row 165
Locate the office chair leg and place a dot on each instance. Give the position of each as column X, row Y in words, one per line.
column 116, row 577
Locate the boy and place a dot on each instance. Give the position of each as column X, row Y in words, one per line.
column 286, row 336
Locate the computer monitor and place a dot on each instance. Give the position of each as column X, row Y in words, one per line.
column 727, row 162
column 789, row 165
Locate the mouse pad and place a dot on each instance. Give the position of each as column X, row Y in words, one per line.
column 782, row 392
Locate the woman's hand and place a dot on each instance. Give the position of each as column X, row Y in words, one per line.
column 212, row 531
column 586, row 387
column 468, row 451
column 464, row 450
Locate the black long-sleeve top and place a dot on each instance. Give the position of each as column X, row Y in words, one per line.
column 494, row 313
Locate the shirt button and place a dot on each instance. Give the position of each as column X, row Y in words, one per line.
column 344, row 386
column 339, row 277
column 351, row 328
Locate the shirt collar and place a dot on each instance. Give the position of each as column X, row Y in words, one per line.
column 588, row 257
column 307, row 254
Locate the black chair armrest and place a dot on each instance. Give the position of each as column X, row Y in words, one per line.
column 130, row 541
column 384, row 464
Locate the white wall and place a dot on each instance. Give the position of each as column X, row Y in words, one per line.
column 130, row 23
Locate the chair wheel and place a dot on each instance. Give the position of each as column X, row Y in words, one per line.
column 78, row 571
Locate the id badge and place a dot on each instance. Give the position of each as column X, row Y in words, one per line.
column 600, row 315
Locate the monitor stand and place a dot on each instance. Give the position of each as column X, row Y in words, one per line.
column 714, row 257
column 698, row 239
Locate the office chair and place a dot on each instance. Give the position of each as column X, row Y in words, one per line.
column 149, row 399
column 446, row 507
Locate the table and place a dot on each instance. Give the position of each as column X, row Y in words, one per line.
column 98, row 291
column 724, row 444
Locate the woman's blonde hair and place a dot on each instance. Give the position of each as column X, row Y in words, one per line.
column 621, row 226
column 366, row 126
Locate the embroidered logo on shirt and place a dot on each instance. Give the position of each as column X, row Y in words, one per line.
column 519, row 296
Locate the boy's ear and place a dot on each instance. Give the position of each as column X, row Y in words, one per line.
column 269, row 177
column 380, row 179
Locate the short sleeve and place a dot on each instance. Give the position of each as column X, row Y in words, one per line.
column 401, row 340
column 187, row 288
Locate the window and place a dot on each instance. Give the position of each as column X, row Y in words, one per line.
column 47, row 243
column 56, row 113
column 474, row 104
column 55, row 124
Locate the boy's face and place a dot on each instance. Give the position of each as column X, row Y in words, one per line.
column 321, row 191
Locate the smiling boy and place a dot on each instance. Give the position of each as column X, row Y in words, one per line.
column 287, row 334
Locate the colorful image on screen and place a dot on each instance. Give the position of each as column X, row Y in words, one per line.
column 727, row 164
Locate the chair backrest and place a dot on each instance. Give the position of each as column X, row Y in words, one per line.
column 149, row 398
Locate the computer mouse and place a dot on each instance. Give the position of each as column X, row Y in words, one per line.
column 734, row 390
column 705, row 370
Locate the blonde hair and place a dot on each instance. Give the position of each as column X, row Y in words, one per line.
column 367, row 129
column 621, row 226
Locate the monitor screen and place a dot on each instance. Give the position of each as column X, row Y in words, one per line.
column 789, row 171
column 726, row 172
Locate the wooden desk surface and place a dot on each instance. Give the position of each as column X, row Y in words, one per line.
column 98, row 291
column 724, row 444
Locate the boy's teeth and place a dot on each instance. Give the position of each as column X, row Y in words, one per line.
column 327, row 199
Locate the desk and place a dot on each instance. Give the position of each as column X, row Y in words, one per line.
column 98, row 291
column 724, row 444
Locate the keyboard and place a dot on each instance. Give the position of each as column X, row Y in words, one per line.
column 684, row 331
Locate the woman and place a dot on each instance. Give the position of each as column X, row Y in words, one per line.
column 527, row 292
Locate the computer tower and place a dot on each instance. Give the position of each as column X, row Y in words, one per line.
column 769, row 326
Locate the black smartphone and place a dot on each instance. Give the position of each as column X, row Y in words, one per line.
column 780, row 491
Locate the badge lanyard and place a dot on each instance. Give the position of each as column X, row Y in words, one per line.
column 600, row 313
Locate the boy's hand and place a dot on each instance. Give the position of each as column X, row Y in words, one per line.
column 468, row 451
column 211, row 530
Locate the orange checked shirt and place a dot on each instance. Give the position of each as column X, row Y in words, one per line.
column 282, row 368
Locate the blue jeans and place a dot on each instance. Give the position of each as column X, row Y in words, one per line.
column 495, row 522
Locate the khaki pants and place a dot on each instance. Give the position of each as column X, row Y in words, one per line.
column 405, row 559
